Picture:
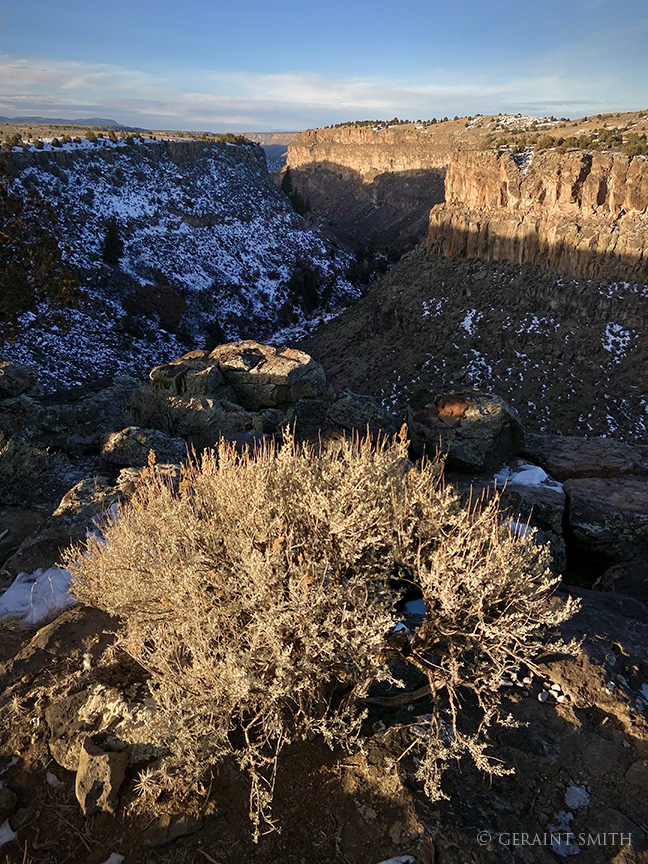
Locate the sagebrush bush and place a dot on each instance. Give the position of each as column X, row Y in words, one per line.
column 22, row 468
column 258, row 597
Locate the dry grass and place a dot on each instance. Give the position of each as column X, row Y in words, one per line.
column 258, row 598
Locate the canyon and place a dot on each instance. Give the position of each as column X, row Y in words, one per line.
column 529, row 280
column 205, row 247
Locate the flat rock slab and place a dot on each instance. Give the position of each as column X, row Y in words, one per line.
column 609, row 516
column 569, row 456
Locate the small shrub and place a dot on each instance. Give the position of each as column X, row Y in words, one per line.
column 152, row 408
column 113, row 245
column 23, row 466
column 257, row 595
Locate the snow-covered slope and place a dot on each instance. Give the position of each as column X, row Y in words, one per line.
column 208, row 242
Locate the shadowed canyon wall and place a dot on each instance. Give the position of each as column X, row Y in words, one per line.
column 577, row 213
column 370, row 184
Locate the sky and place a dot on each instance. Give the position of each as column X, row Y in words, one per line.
column 246, row 65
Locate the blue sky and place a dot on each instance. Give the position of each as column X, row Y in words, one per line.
column 252, row 66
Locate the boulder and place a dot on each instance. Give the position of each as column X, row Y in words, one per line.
column 132, row 445
column 16, row 379
column 630, row 578
column 306, row 417
column 569, row 456
column 116, row 720
column 544, row 508
column 69, row 523
column 99, row 776
column 353, row 412
column 193, row 374
column 76, row 636
column 73, row 421
column 608, row 517
column 127, row 477
column 478, row 431
column 267, row 377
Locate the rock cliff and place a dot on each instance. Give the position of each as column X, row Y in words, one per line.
column 370, row 183
column 577, row 213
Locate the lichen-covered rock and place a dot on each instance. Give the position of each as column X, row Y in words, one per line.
column 267, row 377
column 354, row 412
column 116, row 719
column 478, row 431
column 193, row 374
column 609, row 517
column 570, row 456
column 99, row 777
column 131, row 446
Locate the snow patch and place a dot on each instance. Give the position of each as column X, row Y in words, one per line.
column 35, row 596
column 526, row 474
column 577, row 796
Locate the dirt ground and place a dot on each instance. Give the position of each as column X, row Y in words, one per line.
column 364, row 807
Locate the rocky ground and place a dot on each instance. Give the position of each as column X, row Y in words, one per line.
column 566, row 353
column 71, row 730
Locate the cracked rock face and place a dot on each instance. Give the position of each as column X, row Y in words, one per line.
column 578, row 213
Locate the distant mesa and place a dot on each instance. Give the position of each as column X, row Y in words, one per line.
column 64, row 121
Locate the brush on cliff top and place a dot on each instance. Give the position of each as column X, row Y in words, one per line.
column 258, row 599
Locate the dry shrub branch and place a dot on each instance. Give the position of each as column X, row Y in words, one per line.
column 258, row 597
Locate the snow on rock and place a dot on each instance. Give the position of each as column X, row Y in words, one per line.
column 201, row 223
column 115, row 858
column 577, row 796
column 53, row 781
column 415, row 607
column 563, row 842
column 616, row 339
column 526, row 474
column 6, row 834
column 470, row 321
column 33, row 597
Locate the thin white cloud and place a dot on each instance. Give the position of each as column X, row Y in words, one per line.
column 241, row 100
